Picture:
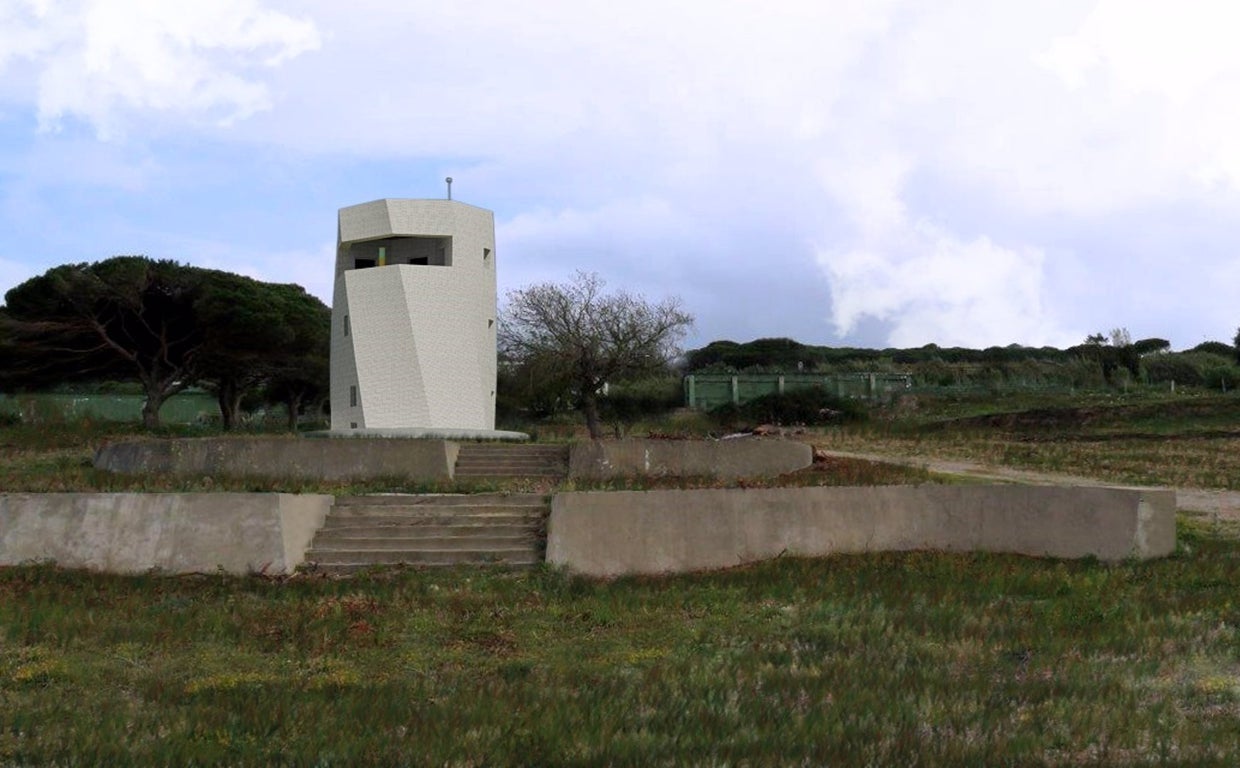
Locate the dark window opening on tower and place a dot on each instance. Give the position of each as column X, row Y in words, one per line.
column 416, row 251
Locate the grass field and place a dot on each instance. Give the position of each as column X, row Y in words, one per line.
column 1191, row 441
column 912, row 659
column 925, row 659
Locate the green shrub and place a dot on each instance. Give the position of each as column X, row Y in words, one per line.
column 641, row 399
column 629, row 403
column 1223, row 377
column 1193, row 369
column 810, row 407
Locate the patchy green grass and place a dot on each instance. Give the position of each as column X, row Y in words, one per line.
column 889, row 659
column 892, row 659
column 1191, row 441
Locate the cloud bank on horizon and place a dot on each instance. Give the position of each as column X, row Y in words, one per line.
column 867, row 172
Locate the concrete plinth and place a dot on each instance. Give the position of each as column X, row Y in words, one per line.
column 171, row 532
column 743, row 457
column 287, row 458
column 634, row 532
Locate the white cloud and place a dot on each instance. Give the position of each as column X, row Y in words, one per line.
column 957, row 167
column 932, row 286
column 927, row 283
column 1171, row 73
column 679, row 81
column 1054, row 116
column 112, row 62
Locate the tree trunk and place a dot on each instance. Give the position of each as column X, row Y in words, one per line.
column 589, row 404
column 150, row 408
column 229, row 401
column 293, row 404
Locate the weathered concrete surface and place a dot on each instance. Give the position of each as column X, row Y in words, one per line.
column 172, row 532
column 294, row 458
column 632, row 532
column 742, row 457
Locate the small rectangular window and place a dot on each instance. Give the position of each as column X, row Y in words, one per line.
column 346, row 325
column 422, row 261
column 353, row 396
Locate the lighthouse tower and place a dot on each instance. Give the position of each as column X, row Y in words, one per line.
column 413, row 318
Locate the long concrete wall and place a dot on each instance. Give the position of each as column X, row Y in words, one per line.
column 635, row 532
column 741, row 457
column 172, row 532
column 434, row 459
column 294, row 458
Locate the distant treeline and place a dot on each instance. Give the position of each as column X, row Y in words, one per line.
column 1100, row 361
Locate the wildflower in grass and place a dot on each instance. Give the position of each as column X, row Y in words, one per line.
column 42, row 671
column 230, row 681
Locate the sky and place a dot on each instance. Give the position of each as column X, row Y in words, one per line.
column 863, row 173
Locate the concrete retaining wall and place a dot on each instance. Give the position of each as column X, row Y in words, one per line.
column 173, row 532
column 741, row 457
column 632, row 532
column 294, row 458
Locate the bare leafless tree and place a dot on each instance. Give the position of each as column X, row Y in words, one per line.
column 590, row 336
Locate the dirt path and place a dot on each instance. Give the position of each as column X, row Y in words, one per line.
column 1224, row 504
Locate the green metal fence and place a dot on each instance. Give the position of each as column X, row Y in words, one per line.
column 706, row 391
column 183, row 408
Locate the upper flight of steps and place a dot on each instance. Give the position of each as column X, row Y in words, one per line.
column 482, row 461
column 433, row 529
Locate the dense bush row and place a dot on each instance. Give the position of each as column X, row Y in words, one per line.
column 531, row 393
column 808, row 407
column 1094, row 364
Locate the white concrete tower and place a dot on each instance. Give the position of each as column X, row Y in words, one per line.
column 413, row 317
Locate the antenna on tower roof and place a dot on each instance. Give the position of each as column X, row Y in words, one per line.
column 449, row 180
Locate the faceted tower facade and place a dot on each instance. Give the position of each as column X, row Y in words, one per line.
column 413, row 317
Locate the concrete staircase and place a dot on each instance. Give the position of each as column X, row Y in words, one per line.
column 488, row 461
column 431, row 530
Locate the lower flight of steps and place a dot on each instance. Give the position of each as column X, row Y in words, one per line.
column 431, row 530
column 500, row 460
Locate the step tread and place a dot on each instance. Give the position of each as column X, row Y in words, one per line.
column 445, row 500
column 515, row 464
column 504, row 472
column 382, row 557
column 441, row 513
column 349, row 569
column 500, row 448
column 336, row 551
column 398, row 522
column 389, row 542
